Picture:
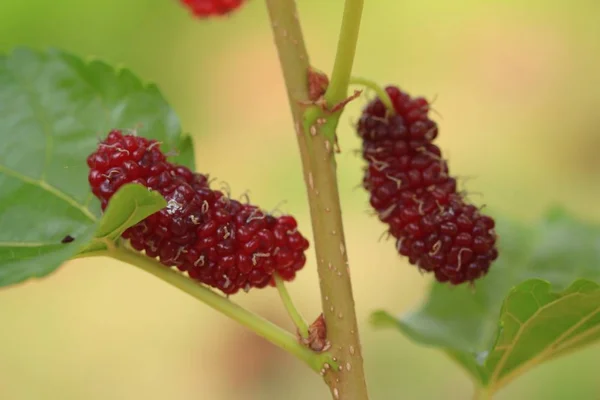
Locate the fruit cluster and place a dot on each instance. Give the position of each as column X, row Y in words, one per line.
column 218, row 241
column 412, row 191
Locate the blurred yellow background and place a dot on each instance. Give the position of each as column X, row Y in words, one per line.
column 517, row 88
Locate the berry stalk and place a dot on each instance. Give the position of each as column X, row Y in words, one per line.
column 262, row 327
column 294, row 314
column 379, row 91
column 316, row 145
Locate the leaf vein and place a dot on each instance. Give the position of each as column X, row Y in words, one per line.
column 576, row 339
column 42, row 184
column 26, row 244
column 543, row 354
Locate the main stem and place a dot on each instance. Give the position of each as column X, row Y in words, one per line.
column 319, row 169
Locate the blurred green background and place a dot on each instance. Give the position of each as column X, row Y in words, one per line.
column 517, row 88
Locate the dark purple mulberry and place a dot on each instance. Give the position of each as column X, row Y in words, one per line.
column 212, row 8
column 412, row 191
column 219, row 241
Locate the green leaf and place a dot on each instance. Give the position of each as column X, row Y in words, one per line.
column 540, row 300
column 537, row 324
column 131, row 204
column 54, row 108
column 185, row 152
column 24, row 260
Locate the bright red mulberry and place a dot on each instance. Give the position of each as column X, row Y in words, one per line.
column 211, row 8
column 412, row 191
column 218, row 241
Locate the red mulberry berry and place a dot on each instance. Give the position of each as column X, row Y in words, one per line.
column 412, row 191
column 218, row 241
column 210, row 8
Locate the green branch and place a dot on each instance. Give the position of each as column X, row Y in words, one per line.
column 255, row 323
column 337, row 91
column 346, row 50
